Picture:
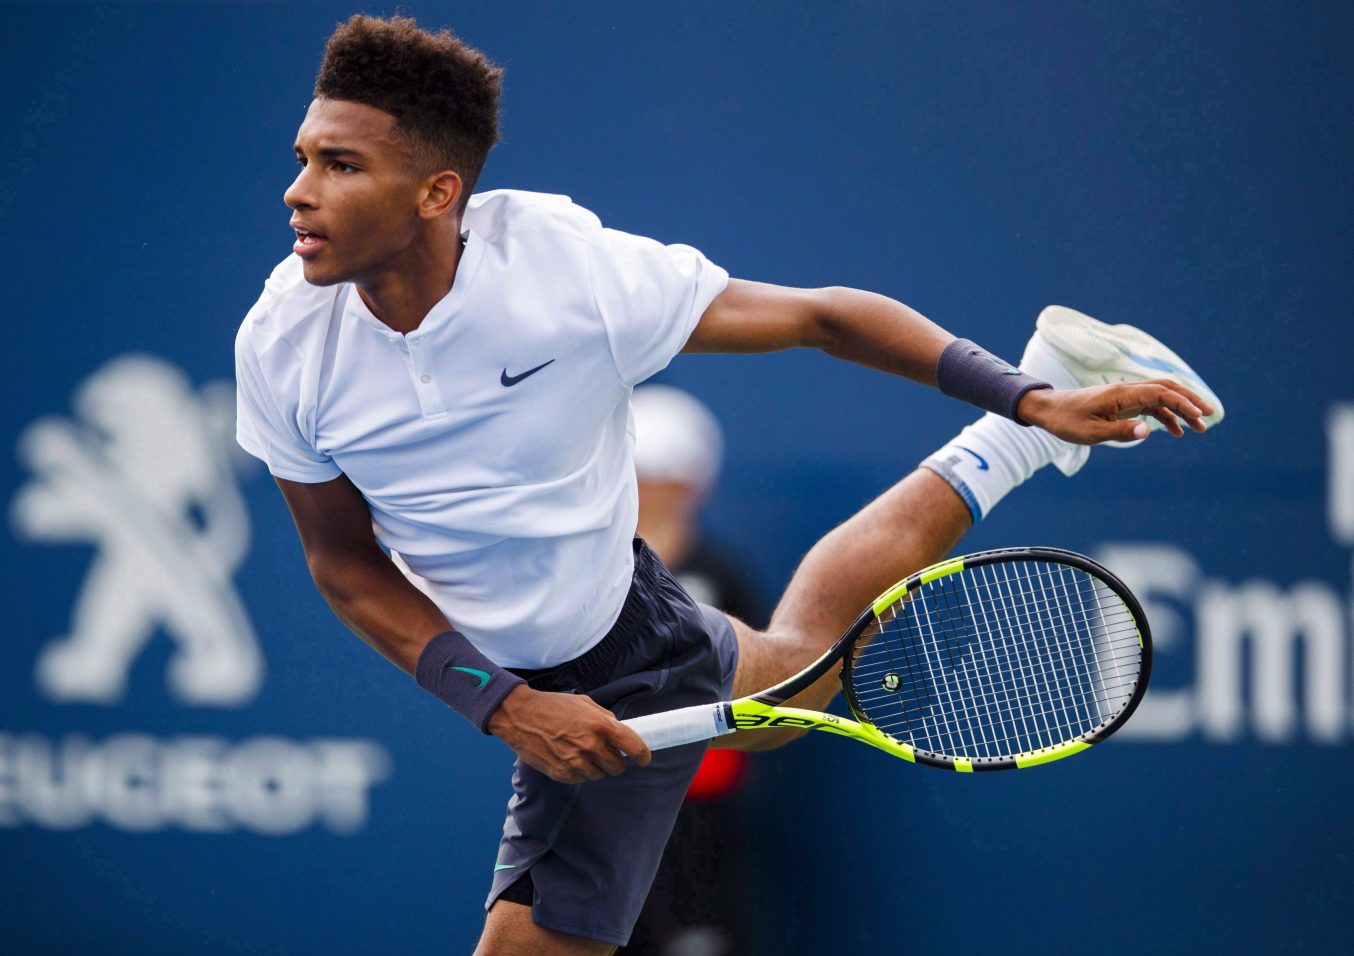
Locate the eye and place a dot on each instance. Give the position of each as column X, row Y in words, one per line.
column 345, row 168
column 301, row 161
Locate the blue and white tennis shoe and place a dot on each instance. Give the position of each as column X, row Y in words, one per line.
column 1097, row 353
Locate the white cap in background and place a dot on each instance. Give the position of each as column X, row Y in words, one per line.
column 676, row 437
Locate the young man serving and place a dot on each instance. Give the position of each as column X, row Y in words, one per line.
column 440, row 383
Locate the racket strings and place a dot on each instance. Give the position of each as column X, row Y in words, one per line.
column 955, row 690
column 1033, row 671
column 1027, row 672
column 999, row 659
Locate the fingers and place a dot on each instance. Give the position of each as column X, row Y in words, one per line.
column 606, row 764
column 609, row 748
column 594, row 763
column 575, row 771
column 1166, row 418
column 1195, row 399
column 1169, row 421
column 597, row 745
column 631, row 744
column 578, row 766
column 1183, row 402
column 1166, row 403
column 1126, row 430
column 616, row 740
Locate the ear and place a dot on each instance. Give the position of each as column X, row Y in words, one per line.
column 441, row 194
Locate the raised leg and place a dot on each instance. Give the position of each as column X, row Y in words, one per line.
column 915, row 523
column 919, row 520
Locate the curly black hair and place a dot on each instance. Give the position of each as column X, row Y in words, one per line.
column 441, row 92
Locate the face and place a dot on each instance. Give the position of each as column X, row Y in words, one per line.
column 358, row 203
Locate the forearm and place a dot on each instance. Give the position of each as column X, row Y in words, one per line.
column 378, row 604
column 567, row 736
column 876, row 331
column 879, row 332
column 864, row 328
column 371, row 595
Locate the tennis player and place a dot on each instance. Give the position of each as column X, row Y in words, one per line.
column 440, row 383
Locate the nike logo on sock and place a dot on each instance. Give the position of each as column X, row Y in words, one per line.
column 982, row 462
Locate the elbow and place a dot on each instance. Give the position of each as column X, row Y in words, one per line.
column 334, row 576
column 326, row 578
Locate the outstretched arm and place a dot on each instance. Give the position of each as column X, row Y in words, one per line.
column 568, row 737
column 861, row 327
column 879, row 332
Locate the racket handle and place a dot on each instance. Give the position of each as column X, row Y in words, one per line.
column 687, row 725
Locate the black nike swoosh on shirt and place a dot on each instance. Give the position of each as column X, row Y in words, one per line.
column 511, row 380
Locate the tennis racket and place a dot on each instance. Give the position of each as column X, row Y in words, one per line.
column 992, row 661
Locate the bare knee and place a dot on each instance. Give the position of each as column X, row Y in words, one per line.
column 765, row 658
column 510, row 930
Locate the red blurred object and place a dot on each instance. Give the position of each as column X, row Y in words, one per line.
column 719, row 775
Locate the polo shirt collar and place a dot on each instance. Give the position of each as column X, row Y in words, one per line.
column 446, row 308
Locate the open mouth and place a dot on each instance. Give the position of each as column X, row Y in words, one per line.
column 308, row 243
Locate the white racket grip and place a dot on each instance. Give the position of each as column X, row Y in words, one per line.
column 684, row 726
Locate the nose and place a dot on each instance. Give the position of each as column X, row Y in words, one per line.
column 299, row 194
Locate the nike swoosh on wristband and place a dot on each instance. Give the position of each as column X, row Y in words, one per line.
column 484, row 678
column 504, row 866
column 1005, row 368
column 510, row 380
column 982, row 462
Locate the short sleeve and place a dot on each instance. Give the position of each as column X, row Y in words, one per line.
column 263, row 430
column 650, row 297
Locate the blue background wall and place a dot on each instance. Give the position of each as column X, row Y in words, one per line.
column 1180, row 166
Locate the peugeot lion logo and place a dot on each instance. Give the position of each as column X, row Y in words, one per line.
column 143, row 473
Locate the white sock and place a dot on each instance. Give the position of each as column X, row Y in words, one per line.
column 994, row 454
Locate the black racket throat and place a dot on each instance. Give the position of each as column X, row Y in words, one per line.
column 799, row 683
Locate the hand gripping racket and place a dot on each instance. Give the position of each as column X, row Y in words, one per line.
column 993, row 661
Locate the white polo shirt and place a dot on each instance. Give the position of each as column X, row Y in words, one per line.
column 493, row 444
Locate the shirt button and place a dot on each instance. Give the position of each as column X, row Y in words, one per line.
column 425, row 379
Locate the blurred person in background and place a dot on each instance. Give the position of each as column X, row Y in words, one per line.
column 695, row 907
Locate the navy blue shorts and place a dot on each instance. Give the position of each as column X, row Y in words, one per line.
column 584, row 855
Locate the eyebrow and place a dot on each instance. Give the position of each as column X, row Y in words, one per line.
column 333, row 152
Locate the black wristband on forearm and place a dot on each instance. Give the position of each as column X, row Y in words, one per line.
column 972, row 374
column 456, row 673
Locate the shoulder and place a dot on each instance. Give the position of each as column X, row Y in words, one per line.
column 288, row 312
column 501, row 214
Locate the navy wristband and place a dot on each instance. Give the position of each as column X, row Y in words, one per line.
column 972, row 374
column 455, row 672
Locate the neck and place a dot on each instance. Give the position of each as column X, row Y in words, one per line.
column 405, row 289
